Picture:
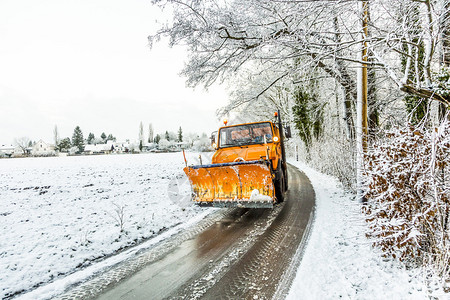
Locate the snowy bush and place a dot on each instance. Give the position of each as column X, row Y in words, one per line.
column 163, row 144
column 73, row 150
column 166, row 145
column 202, row 145
column 407, row 178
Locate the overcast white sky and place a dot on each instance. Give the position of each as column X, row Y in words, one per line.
column 87, row 63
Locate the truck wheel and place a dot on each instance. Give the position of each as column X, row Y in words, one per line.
column 286, row 185
column 279, row 188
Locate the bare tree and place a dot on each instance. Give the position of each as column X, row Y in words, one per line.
column 150, row 133
column 23, row 143
column 141, row 136
column 56, row 136
column 275, row 43
column 119, row 216
column 286, row 38
column 406, row 27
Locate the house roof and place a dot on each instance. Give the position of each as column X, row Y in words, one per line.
column 7, row 147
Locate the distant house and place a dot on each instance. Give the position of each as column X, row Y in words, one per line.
column 41, row 148
column 7, row 150
column 121, row 147
column 99, row 148
column 182, row 145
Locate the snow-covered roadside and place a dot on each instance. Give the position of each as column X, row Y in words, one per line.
column 339, row 262
column 57, row 215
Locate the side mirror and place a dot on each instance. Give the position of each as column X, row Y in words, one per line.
column 213, row 139
column 287, row 132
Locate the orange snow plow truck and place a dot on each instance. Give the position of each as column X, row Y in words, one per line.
column 248, row 168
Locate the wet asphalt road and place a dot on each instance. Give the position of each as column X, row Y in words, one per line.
column 247, row 254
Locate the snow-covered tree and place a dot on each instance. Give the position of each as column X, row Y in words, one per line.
column 64, row 145
column 180, row 135
column 308, row 116
column 78, row 140
column 280, row 42
column 55, row 135
column 202, row 144
column 103, row 137
column 91, row 138
column 110, row 138
column 141, row 136
column 150, row 133
column 165, row 144
column 157, row 139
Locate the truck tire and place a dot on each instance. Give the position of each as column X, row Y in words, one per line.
column 286, row 185
column 279, row 187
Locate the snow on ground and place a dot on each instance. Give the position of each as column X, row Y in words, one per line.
column 59, row 214
column 339, row 262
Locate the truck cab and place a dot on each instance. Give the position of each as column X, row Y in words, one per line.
column 248, row 142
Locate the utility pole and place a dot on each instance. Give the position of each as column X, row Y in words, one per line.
column 444, row 57
column 362, row 116
column 364, row 58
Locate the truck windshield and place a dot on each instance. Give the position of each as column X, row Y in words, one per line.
column 247, row 134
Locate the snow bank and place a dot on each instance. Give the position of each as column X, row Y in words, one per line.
column 339, row 262
column 59, row 214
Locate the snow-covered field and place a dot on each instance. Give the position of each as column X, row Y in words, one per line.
column 339, row 262
column 60, row 214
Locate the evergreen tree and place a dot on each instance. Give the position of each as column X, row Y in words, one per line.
column 157, row 139
column 90, row 139
column 167, row 136
column 308, row 116
column 180, row 135
column 110, row 138
column 64, row 144
column 103, row 136
column 77, row 139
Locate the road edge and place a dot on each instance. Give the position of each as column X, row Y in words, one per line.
column 289, row 275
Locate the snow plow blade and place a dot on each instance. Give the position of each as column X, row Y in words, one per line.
column 238, row 184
